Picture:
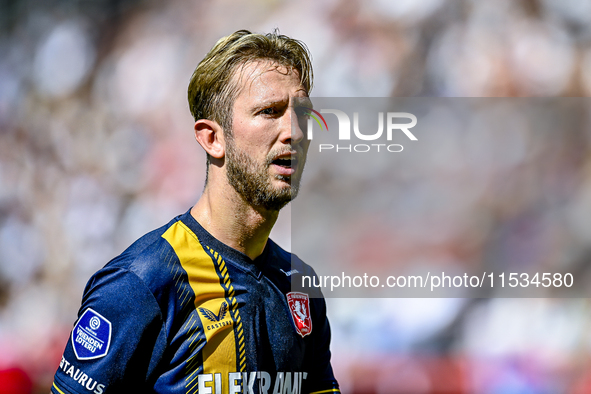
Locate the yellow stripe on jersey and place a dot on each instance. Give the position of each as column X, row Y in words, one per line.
column 57, row 388
column 233, row 309
column 327, row 391
column 219, row 353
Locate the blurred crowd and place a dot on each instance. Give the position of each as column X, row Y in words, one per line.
column 96, row 149
column 491, row 185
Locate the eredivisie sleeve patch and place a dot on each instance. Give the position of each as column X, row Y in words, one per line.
column 91, row 336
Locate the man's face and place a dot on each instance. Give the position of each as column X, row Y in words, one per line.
column 266, row 153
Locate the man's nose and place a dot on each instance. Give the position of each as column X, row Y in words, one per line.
column 294, row 133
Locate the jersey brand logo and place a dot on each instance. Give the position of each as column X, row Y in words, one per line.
column 91, row 336
column 290, row 272
column 212, row 316
column 299, row 305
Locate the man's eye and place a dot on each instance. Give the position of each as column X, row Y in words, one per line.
column 268, row 111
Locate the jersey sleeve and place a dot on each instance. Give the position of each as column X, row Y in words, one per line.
column 117, row 340
column 321, row 378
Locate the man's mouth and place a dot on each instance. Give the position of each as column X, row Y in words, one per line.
column 285, row 165
column 285, row 161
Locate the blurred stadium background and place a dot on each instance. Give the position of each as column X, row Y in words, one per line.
column 96, row 149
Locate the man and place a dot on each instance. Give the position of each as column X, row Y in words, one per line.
column 205, row 304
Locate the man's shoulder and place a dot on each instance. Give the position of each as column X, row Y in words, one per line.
column 150, row 258
column 294, row 270
column 149, row 249
column 289, row 260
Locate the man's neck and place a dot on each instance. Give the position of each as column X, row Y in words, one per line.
column 226, row 216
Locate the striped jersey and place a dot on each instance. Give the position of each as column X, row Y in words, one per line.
column 181, row 312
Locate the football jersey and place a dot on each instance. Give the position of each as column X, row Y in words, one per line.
column 181, row 312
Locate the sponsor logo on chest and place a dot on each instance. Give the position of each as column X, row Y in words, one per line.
column 258, row 382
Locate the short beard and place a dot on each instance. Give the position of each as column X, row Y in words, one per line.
column 251, row 179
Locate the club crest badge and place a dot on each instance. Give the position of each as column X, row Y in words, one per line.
column 91, row 336
column 299, row 305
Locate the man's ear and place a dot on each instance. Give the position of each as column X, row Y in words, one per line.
column 210, row 136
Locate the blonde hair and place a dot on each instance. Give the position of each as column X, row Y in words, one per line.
column 211, row 90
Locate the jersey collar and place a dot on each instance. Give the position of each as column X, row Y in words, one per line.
column 229, row 254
